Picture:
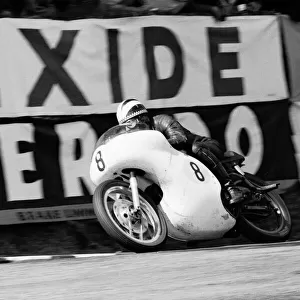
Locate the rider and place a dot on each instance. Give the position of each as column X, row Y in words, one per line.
column 208, row 150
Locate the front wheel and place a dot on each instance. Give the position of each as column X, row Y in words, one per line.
column 112, row 202
column 267, row 220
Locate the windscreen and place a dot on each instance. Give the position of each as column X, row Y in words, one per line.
column 118, row 130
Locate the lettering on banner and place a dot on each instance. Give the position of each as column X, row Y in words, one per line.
column 55, row 214
column 114, row 61
column 67, row 162
column 39, row 215
column 166, row 87
column 243, row 119
column 242, row 123
column 79, row 213
column 224, row 61
column 75, row 168
column 154, row 38
column 21, row 177
column 53, row 73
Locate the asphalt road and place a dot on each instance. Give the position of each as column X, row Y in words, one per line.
column 254, row 272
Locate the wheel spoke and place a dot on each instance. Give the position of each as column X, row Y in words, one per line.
column 141, row 231
column 114, row 196
column 130, row 228
column 149, row 219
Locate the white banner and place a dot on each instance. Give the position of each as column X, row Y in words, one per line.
column 88, row 66
column 291, row 34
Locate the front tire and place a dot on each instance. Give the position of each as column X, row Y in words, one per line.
column 254, row 232
column 112, row 201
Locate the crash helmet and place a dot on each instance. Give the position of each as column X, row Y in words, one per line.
column 133, row 111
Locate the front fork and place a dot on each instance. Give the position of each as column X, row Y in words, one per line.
column 135, row 192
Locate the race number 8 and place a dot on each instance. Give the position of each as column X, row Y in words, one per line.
column 99, row 161
column 197, row 171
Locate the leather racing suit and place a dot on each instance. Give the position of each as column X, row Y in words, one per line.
column 207, row 150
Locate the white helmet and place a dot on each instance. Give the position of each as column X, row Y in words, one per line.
column 129, row 109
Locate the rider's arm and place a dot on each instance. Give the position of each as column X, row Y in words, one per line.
column 178, row 136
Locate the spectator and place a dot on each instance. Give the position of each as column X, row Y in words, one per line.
column 17, row 7
column 123, row 8
column 288, row 7
column 74, row 9
column 4, row 9
column 78, row 9
column 205, row 8
column 44, row 9
column 240, row 7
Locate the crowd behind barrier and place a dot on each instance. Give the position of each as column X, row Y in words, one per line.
column 78, row 9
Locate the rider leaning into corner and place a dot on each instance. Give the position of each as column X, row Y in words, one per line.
column 208, row 150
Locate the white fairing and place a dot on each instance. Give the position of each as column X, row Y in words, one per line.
column 193, row 208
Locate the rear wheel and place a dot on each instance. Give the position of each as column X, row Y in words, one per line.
column 266, row 219
column 113, row 207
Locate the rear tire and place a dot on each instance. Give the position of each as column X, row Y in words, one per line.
column 256, row 234
column 111, row 221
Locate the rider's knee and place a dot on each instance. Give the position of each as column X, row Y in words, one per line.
column 208, row 146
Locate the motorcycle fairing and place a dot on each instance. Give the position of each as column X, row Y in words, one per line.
column 192, row 205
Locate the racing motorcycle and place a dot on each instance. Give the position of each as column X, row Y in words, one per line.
column 146, row 191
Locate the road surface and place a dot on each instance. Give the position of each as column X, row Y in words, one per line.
column 250, row 272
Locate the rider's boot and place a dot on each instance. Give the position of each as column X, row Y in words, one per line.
column 236, row 194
